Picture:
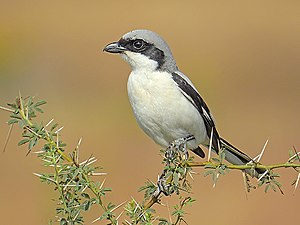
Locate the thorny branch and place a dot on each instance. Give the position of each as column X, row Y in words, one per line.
column 78, row 192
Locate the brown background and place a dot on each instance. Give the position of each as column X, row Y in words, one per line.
column 243, row 56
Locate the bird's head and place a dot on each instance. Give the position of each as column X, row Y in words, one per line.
column 144, row 49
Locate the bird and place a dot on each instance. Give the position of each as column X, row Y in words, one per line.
column 165, row 102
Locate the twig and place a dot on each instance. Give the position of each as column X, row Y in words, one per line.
column 154, row 199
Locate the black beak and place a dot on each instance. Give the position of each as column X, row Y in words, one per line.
column 114, row 48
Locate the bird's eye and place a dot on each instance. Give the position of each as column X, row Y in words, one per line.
column 138, row 44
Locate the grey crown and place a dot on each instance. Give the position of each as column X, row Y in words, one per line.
column 158, row 42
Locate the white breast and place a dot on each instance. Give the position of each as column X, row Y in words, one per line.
column 161, row 110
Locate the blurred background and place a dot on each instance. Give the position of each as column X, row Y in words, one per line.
column 243, row 56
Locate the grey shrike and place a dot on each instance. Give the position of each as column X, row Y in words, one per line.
column 165, row 103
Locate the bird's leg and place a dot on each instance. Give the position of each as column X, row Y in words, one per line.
column 162, row 187
column 179, row 145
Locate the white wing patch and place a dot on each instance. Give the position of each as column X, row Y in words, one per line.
column 207, row 115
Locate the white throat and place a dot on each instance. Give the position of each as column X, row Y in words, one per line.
column 138, row 61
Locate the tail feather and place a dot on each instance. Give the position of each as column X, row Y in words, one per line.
column 237, row 157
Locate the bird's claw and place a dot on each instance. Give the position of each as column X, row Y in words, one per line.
column 163, row 186
column 179, row 144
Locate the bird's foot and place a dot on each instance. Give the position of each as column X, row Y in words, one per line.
column 163, row 186
column 179, row 145
column 175, row 154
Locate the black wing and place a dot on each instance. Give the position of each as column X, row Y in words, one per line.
column 193, row 96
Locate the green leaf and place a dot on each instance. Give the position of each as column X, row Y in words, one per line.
column 39, row 103
column 32, row 143
column 85, row 195
column 30, row 101
column 13, row 106
column 291, row 153
column 22, row 142
column 216, row 160
column 222, row 155
column 176, row 178
column 267, row 188
column 87, row 205
column 54, row 126
column 63, row 221
column 16, row 116
column 106, row 189
column 12, row 121
column 39, row 110
column 209, row 172
column 273, row 187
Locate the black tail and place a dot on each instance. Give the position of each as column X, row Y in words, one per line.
column 237, row 157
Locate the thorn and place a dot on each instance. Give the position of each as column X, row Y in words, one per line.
column 76, row 215
column 141, row 215
column 58, row 130
column 295, row 150
column 262, row 151
column 162, row 204
column 77, row 151
column 258, row 157
column 98, row 174
column 6, row 109
column 83, row 190
column 47, row 124
column 69, row 183
column 95, row 220
column 38, row 152
column 20, row 99
column 27, row 112
column 101, row 185
column 296, row 155
column 57, row 141
column 254, row 159
column 137, row 206
column 118, row 217
column 210, row 145
column 85, row 161
column 42, row 176
column 8, row 136
column 37, row 174
column 47, row 133
column 154, row 219
column 191, row 176
column 215, row 183
column 58, row 158
column 45, row 160
column 297, row 182
column 79, row 143
column 91, row 162
column 127, row 222
column 264, row 174
column 118, row 206
column 32, row 131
